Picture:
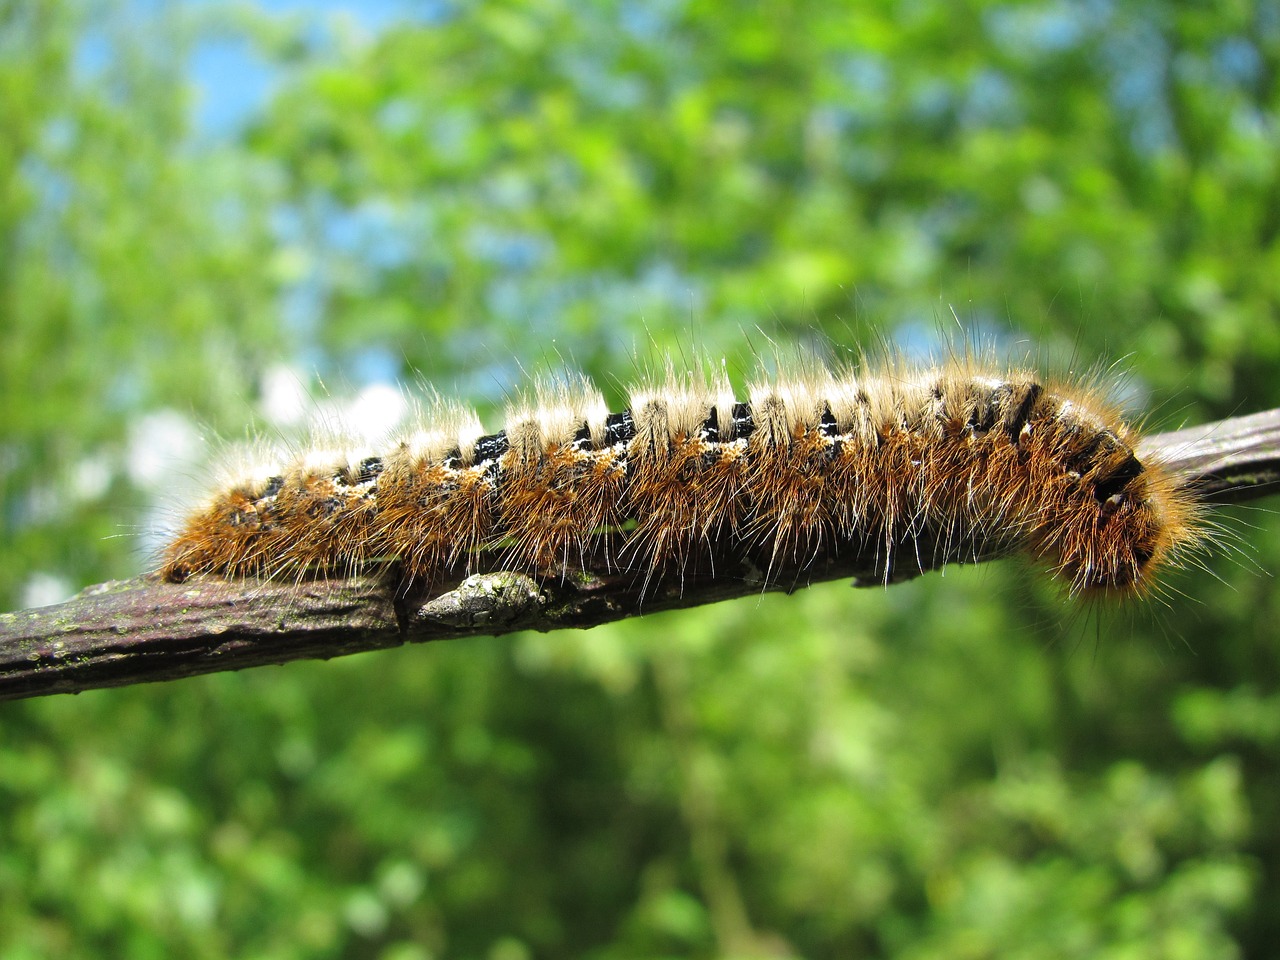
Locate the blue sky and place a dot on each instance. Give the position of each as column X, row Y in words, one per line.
column 232, row 82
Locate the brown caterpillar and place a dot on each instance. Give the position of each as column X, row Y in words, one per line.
column 811, row 464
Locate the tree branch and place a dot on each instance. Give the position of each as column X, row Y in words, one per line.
column 144, row 629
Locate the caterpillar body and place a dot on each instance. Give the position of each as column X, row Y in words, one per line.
column 965, row 457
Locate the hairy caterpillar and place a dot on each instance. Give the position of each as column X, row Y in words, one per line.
column 963, row 457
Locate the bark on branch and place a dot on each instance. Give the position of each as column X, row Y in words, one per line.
column 143, row 629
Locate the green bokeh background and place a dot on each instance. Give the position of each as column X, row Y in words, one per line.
column 961, row 767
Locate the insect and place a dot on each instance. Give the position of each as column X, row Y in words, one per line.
column 959, row 459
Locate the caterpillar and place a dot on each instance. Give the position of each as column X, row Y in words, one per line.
column 965, row 457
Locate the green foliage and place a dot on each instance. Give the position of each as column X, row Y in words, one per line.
column 961, row 767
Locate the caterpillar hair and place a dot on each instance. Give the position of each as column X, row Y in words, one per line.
column 962, row 460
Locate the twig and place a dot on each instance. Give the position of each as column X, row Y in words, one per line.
column 143, row 629
column 1230, row 461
